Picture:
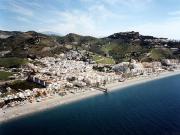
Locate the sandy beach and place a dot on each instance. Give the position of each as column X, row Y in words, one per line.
column 29, row 108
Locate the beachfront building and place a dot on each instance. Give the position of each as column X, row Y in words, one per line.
column 122, row 67
column 153, row 67
column 137, row 68
column 171, row 62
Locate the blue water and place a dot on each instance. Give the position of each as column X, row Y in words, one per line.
column 152, row 108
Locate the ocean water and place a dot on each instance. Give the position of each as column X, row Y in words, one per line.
column 151, row 108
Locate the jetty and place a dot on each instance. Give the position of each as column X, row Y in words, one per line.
column 105, row 90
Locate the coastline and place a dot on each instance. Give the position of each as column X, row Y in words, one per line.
column 140, row 80
column 30, row 108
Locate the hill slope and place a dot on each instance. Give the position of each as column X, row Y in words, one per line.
column 119, row 46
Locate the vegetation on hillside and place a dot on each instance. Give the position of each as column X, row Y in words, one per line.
column 5, row 75
column 24, row 85
column 12, row 62
column 102, row 60
column 158, row 54
column 117, row 47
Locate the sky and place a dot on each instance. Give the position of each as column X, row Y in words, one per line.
column 99, row 18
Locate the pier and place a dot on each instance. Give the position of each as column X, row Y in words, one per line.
column 105, row 90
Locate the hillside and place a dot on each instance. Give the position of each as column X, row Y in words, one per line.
column 117, row 47
column 24, row 44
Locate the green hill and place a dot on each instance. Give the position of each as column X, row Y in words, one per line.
column 121, row 46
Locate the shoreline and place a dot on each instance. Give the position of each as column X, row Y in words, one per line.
column 140, row 80
column 49, row 103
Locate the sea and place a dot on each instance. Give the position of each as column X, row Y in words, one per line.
column 151, row 108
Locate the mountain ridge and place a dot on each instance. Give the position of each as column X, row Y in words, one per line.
column 119, row 46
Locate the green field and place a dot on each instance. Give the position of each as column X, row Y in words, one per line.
column 5, row 75
column 159, row 54
column 12, row 62
column 103, row 60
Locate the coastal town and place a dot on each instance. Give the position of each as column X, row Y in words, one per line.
column 66, row 74
column 89, row 67
column 39, row 71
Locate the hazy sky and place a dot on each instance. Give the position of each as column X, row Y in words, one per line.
column 93, row 17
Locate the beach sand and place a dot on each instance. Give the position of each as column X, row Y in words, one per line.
column 29, row 108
